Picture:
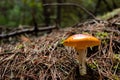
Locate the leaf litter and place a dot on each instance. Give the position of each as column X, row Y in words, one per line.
column 46, row 58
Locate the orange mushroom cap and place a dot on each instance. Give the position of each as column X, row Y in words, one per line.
column 81, row 41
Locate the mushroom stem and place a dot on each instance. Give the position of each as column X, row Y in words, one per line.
column 81, row 57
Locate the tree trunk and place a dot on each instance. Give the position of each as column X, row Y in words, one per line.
column 58, row 13
column 46, row 13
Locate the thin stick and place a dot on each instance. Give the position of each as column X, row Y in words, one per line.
column 26, row 31
column 71, row 4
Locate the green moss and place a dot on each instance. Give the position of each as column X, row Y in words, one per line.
column 117, row 57
column 109, row 14
column 102, row 35
column 115, row 77
column 20, row 46
column 93, row 65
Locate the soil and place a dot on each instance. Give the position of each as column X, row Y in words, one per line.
column 46, row 58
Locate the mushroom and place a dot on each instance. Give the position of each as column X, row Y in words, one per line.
column 80, row 42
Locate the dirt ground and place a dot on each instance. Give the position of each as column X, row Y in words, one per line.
column 44, row 57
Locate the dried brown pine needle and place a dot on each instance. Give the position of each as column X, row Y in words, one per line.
column 45, row 58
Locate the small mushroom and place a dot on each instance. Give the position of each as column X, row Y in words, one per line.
column 80, row 42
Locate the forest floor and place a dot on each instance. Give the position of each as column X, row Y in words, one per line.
column 46, row 58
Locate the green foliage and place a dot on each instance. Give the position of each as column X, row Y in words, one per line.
column 116, row 57
column 14, row 16
column 116, row 67
column 2, row 20
column 109, row 15
column 20, row 46
column 11, row 15
column 115, row 77
column 16, row 12
column 33, row 5
column 19, row 12
column 102, row 35
column 93, row 65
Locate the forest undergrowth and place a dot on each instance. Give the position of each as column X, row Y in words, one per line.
column 44, row 57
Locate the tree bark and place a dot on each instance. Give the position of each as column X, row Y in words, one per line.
column 46, row 13
column 58, row 19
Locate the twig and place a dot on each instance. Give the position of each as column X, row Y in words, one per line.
column 34, row 21
column 116, row 68
column 26, row 31
column 6, row 67
column 71, row 4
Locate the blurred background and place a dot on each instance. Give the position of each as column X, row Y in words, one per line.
column 46, row 12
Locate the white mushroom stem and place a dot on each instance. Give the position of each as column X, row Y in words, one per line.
column 81, row 57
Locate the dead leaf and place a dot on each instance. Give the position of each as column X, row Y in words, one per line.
column 24, row 39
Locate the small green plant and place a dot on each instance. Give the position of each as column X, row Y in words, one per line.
column 117, row 66
column 20, row 46
column 109, row 15
column 115, row 77
column 102, row 35
column 117, row 57
column 93, row 65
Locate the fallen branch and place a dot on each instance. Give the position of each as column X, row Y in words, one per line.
column 71, row 4
column 26, row 31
